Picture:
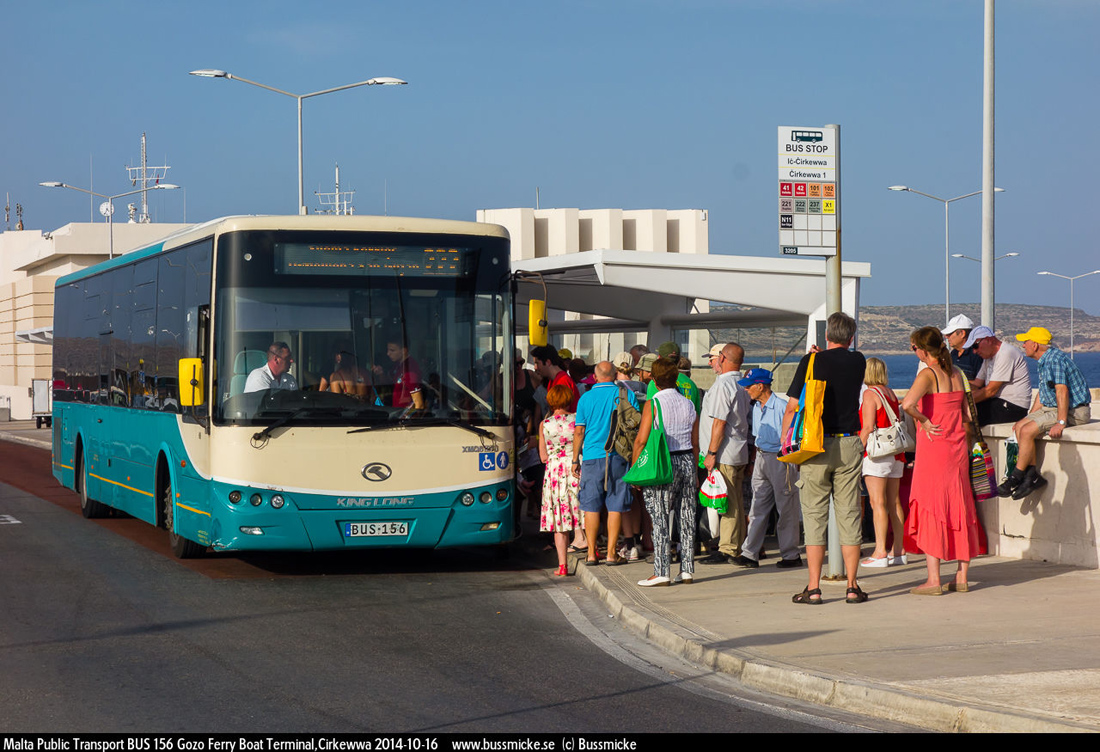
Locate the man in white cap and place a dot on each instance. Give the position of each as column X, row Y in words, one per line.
column 1002, row 389
column 956, row 332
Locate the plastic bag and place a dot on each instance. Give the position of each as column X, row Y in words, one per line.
column 712, row 494
column 1012, row 452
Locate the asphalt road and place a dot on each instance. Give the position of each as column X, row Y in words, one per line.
column 101, row 630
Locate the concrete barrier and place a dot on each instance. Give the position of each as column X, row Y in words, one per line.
column 1058, row 524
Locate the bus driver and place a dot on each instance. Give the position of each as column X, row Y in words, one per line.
column 275, row 374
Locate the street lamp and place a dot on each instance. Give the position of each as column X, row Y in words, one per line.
column 107, row 208
column 1071, row 279
column 1003, row 256
column 377, row 81
column 946, row 237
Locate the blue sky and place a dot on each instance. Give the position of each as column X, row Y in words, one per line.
column 597, row 103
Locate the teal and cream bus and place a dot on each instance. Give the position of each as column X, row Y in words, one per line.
column 155, row 414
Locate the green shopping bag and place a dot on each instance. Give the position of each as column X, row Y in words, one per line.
column 654, row 464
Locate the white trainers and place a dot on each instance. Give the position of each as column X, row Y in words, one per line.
column 684, row 578
column 654, row 581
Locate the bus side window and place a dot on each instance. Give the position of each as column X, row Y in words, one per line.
column 170, row 327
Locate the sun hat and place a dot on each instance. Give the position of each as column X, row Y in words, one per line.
column 977, row 333
column 645, row 363
column 956, row 323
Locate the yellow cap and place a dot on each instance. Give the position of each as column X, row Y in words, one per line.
column 1036, row 334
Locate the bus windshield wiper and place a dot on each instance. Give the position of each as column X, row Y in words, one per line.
column 406, row 421
column 264, row 434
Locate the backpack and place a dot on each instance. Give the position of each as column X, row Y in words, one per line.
column 625, row 420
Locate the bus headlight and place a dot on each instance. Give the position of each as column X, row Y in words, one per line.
column 277, row 501
column 255, row 500
column 502, row 494
column 235, row 497
column 486, row 497
column 467, row 499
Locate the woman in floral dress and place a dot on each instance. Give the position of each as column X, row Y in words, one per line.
column 560, row 512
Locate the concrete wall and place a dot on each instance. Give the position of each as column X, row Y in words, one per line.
column 539, row 233
column 1059, row 524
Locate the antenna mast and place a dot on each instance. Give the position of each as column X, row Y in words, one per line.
column 145, row 176
column 337, row 202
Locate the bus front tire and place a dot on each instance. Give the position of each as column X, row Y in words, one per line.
column 90, row 508
column 182, row 548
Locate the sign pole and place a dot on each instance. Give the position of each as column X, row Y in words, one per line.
column 832, row 263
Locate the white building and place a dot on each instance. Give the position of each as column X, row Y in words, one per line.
column 30, row 263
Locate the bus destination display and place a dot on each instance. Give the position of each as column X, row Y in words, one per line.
column 367, row 260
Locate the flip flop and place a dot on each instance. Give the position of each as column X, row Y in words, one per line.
column 578, row 549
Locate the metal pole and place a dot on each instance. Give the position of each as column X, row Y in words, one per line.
column 111, row 229
column 301, row 177
column 946, row 263
column 833, row 302
column 1071, row 320
column 988, row 291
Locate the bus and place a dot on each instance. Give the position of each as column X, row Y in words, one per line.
column 195, row 384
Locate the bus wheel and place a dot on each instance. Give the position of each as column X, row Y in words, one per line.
column 181, row 547
column 90, row 508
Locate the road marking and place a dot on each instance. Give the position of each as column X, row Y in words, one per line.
column 7, row 519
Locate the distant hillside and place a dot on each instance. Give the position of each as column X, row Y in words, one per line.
column 885, row 329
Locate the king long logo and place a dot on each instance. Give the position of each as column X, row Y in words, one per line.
column 377, row 471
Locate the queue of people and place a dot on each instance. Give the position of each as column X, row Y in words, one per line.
column 734, row 429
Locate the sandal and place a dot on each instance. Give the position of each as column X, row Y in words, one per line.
column 578, row 549
column 806, row 598
column 591, row 562
column 614, row 562
column 855, row 595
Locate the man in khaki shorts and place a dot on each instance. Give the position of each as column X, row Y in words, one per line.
column 1063, row 400
column 835, row 471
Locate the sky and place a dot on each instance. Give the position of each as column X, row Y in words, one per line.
column 633, row 104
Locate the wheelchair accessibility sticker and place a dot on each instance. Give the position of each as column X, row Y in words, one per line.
column 489, row 461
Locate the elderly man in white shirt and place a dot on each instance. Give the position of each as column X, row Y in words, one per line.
column 275, row 374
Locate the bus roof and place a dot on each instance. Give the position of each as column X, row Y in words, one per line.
column 353, row 223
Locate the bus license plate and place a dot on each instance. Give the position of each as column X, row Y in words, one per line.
column 375, row 529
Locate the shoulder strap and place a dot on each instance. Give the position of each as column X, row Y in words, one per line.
column 886, row 405
column 810, row 367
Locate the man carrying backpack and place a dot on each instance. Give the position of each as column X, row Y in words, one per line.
column 601, row 472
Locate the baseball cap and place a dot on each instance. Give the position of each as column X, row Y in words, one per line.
column 645, row 363
column 756, row 376
column 956, row 323
column 716, row 351
column 623, row 360
column 565, row 353
column 669, row 350
column 977, row 333
column 1036, row 334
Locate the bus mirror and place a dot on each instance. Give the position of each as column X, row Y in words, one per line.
column 538, row 333
column 191, row 386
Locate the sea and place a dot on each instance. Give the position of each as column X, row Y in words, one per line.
column 902, row 369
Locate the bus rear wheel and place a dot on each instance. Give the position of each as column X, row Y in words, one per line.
column 182, row 548
column 90, row 508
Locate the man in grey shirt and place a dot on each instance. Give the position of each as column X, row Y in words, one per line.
column 724, row 435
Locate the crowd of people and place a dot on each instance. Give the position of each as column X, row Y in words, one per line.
column 582, row 429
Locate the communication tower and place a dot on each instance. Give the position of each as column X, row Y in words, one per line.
column 144, row 176
column 336, row 202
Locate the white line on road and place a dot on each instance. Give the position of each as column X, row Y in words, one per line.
column 7, row 519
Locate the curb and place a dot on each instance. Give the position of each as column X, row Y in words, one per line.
column 867, row 699
column 16, row 439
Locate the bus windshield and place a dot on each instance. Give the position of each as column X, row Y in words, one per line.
column 362, row 330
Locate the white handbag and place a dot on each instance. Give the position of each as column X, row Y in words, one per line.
column 894, row 439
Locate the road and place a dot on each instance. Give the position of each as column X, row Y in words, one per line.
column 101, row 630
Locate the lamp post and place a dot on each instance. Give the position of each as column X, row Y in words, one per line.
column 377, row 81
column 1071, row 279
column 946, row 238
column 1002, row 256
column 107, row 209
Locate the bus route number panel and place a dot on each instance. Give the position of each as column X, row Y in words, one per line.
column 375, row 529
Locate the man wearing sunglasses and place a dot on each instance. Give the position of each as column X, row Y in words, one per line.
column 1002, row 388
column 1063, row 400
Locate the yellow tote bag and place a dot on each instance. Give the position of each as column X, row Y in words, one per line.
column 806, row 437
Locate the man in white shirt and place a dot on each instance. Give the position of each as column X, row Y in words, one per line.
column 275, row 374
column 1002, row 388
column 724, row 435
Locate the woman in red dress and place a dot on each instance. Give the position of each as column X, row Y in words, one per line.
column 943, row 523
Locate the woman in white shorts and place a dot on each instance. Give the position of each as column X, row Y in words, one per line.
column 882, row 476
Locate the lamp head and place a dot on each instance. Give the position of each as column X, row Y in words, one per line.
column 898, row 188
column 52, row 184
column 386, row 81
column 210, row 73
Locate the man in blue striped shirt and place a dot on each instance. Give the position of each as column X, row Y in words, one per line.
column 1063, row 400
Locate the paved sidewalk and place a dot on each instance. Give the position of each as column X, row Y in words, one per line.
column 1019, row 652
column 25, row 432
